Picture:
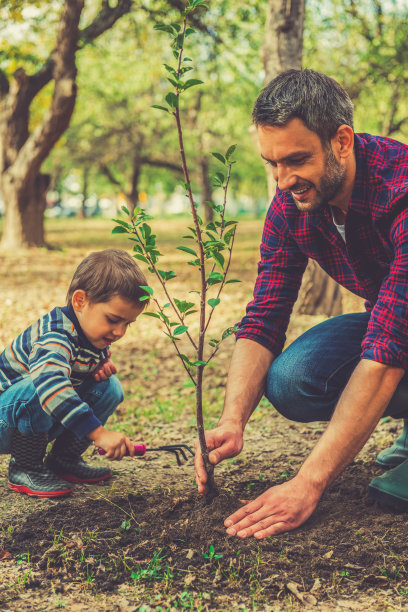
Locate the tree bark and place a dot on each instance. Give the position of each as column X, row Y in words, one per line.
column 282, row 50
column 206, row 188
column 21, row 153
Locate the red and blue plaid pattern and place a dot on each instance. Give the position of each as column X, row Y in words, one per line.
column 372, row 264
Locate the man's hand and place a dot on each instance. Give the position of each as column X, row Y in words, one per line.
column 223, row 442
column 281, row 508
column 104, row 369
column 115, row 444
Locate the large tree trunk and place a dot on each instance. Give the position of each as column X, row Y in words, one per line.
column 21, row 154
column 282, row 50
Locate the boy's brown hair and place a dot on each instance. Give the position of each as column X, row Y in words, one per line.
column 104, row 274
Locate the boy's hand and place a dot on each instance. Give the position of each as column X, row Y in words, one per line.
column 115, row 444
column 104, row 369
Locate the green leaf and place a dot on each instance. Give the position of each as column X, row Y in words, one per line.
column 152, row 314
column 181, row 329
column 167, row 275
column 190, row 31
column 125, row 210
column 214, row 278
column 183, row 305
column 220, row 176
column 119, row 229
column 163, row 108
column 148, row 289
column 214, row 302
column 230, row 151
column 144, row 298
column 187, row 250
column 172, row 99
column 229, row 331
column 233, row 280
column 199, row 363
column 220, row 157
column 170, row 69
column 192, row 83
column 185, row 359
column 218, row 258
column 140, row 257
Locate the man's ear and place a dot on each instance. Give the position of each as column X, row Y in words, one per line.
column 343, row 141
column 79, row 300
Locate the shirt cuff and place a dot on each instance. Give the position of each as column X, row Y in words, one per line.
column 82, row 426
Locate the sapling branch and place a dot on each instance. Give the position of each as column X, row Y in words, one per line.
column 161, row 281
column 170, row 335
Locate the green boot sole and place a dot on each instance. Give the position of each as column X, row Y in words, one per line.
column 391, row 488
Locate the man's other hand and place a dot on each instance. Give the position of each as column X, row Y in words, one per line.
column 104, row 369
column 223, row 442
column 279, row 509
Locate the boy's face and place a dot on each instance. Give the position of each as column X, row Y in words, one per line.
column 104, row 322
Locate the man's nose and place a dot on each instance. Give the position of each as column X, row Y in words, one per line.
column 284, row 177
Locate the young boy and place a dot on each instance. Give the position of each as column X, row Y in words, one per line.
column 56, row 382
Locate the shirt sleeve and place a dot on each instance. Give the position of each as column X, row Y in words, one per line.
column 386, row 339
column 50, row 369
column 280, row 272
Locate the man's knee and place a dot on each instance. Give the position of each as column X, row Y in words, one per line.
column 293, row 393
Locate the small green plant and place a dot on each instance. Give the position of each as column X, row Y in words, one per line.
column 212, row 555
column 209, row 246
column 125, row 526
column 286, row 474
column 154, row 570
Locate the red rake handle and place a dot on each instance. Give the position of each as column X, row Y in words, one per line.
column 140, row 450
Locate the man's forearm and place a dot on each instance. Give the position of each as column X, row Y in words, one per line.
column 361, row 405
column 246, row 380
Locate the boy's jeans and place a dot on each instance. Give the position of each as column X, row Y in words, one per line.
column 20, row 408
column 305, row 382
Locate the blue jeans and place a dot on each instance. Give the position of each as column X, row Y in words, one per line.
column 20, row 408
column 305, row 382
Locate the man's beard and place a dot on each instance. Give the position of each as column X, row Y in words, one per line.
column 331, row 184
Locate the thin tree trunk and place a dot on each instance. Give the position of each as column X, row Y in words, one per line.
column 206, row 189
column 282, row 50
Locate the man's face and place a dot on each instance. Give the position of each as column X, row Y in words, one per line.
column 300, row 164
column 104, row 322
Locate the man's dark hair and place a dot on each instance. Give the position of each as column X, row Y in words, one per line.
column 105, row 274
column 318, row 100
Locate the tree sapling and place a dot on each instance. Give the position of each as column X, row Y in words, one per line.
column 210, row 252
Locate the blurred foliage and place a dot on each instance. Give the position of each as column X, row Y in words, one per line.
column 363, row 45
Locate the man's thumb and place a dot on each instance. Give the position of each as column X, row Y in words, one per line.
column 214, row 457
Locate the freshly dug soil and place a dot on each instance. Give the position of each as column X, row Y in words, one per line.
column 171, row 542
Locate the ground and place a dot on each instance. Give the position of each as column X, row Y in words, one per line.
column 145, row 541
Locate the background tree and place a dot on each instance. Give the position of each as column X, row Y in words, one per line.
column 282, row 50
column 23, row 150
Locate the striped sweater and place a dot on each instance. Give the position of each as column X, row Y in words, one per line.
column 57, row 356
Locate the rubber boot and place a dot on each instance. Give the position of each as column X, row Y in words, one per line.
column 65, row 460
column 391, row 488
column 397, row 453
column 27, row 472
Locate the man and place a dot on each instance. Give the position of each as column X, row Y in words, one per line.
column 342, row 200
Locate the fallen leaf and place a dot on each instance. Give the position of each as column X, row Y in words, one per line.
column 305, row 598
column 4, row 554
column 328, row 555
column 189, row 579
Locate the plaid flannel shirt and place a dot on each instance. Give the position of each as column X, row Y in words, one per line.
column 373, row 263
